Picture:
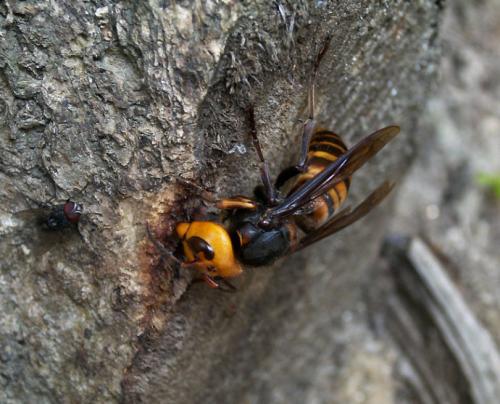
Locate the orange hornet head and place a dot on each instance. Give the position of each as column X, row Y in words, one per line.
column 208, row 245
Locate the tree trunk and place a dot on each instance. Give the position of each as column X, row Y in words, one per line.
column 113, row 105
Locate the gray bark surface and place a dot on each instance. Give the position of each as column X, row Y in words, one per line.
column 110, row 105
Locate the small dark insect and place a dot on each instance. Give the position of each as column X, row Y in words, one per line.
column 54, row 217
column 305, row 198
column 47, row 226
column 64, row 215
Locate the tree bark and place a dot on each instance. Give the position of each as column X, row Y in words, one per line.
column 111, row 105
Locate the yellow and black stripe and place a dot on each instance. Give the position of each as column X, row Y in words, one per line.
column 324, row 148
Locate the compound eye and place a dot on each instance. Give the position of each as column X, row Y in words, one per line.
column 197, row 245
column 72, row 211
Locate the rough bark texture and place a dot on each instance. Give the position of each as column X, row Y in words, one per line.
column 110, row 104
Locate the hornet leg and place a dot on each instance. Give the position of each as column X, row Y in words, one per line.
column 310, row 123
column 230, row 288
column 264, row 171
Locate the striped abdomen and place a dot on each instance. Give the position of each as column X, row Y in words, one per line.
column 324, row 148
